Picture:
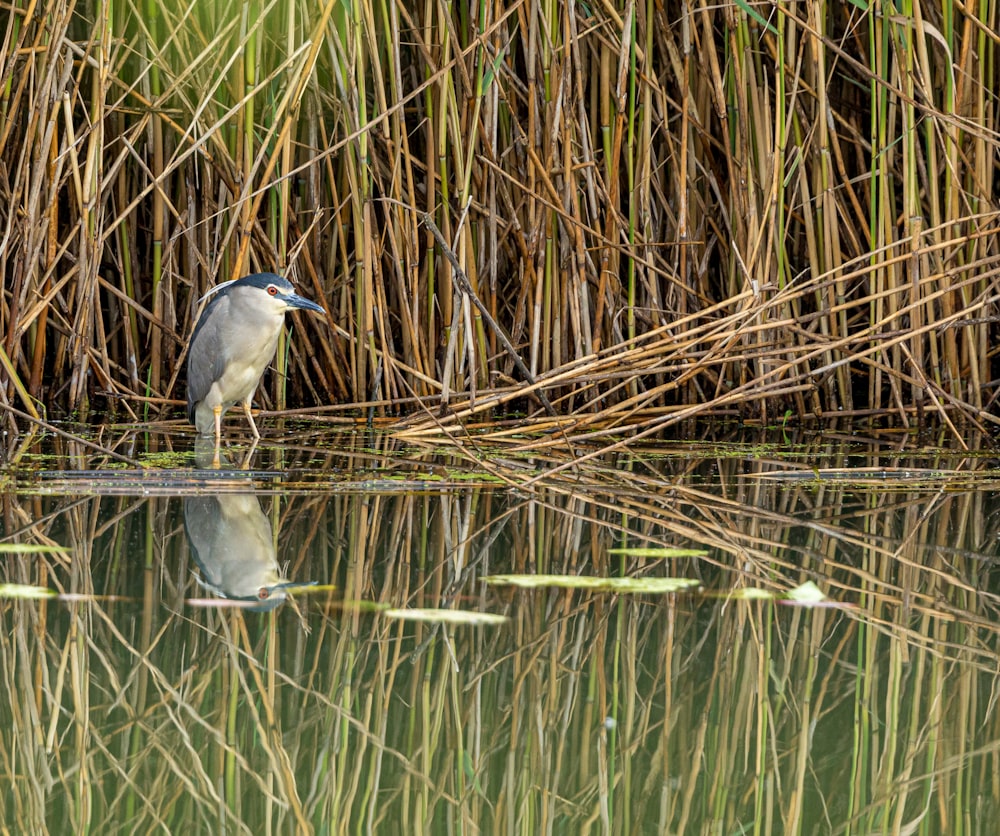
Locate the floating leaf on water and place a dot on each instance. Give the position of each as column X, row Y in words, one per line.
column 807, row 593
column 28, row 548
column 637, row 585
column 446, row 616
column 659, row 552
column 752, row 594
column 220, row 603
column 652, row 585
column 17, row 590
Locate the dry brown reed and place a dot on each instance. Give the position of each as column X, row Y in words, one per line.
column 671, row 209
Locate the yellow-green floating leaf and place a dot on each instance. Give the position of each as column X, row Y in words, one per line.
column 807, row 593
column 658, row 552
column 17, row 590
column 637, row 585
column 360, row 606
column 446, row 616
column 752, row 594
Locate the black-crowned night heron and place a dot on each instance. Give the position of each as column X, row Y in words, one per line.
column 234, row 341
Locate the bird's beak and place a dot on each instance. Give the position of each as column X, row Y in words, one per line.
column 293, row 300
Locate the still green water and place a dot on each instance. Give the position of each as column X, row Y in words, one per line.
column 143, row 700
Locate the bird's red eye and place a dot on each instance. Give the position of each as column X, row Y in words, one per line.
column 272, row 290
column 263, row 593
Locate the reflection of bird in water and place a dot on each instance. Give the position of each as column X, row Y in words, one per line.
column 209, row 457
column 232, row 543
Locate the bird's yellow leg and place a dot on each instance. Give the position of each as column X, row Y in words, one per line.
column 217, row 411
column 253, row 426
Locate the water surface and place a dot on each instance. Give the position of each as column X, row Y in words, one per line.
column 187, row 678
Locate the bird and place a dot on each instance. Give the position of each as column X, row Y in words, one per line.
column 234, row 340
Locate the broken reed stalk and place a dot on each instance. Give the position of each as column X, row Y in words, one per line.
column 671, row 207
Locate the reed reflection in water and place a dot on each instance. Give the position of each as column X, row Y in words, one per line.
column 692, row 713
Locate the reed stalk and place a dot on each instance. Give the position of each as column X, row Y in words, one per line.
column 811, row 187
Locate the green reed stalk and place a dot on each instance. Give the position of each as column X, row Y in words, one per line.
column 158, row 221
column 614, row 711
column 231, row 737
column 431, row 199
column 904, row 36
column 762, row 717
column 984, row 112
column 364, row 296
column 878, row 42
column 785, row 57
column 630, row 174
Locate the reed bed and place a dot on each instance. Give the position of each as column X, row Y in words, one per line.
column 130, row 710
column 670, row 210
